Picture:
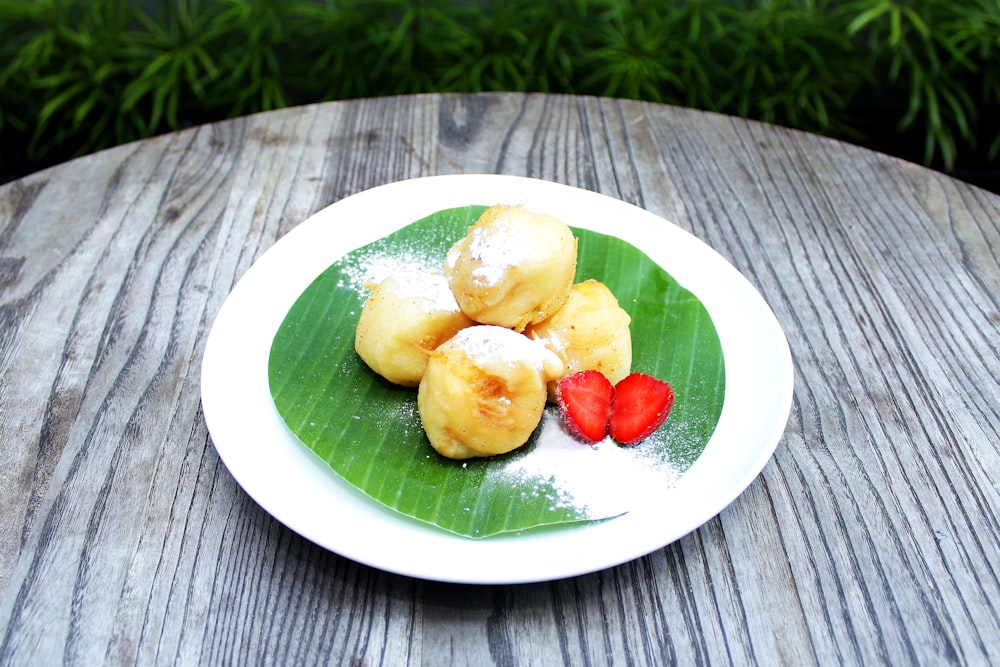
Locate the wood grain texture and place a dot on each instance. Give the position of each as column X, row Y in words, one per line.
column 872, row 536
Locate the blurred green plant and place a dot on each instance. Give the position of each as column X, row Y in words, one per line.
column 65, row 73
column 77, row 76
column 942, row 59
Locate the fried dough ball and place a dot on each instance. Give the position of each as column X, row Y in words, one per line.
column 590, row 332
column 513, row 268
column 484, row 391
column 406, row 315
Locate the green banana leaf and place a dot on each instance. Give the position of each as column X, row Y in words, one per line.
column 368, row 430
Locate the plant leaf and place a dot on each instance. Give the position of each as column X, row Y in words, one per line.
column 368, row 431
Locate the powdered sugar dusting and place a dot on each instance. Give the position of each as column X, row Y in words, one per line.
column 598, row 481
column 375, row 265
column 429, row 289
column 495, row 250
column 489, row 344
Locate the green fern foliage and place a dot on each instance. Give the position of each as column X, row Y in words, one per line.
column 77, row 76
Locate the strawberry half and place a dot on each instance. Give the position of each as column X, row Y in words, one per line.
column 641, row 404
column 584, row 401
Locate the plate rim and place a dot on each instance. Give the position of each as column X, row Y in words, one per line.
column 369, row 533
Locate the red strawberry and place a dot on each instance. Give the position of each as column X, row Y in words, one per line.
column 641, row 404
column 584, row 400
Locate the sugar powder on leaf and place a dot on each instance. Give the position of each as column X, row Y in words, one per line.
column 597, row 481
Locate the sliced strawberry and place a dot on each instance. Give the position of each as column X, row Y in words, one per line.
column 584, row 400
column 641, row 404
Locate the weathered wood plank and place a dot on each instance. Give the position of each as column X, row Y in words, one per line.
column 872, row 536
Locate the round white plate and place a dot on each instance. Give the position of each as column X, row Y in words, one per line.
column 303, row 493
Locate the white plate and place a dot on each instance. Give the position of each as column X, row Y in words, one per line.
column 296, row 488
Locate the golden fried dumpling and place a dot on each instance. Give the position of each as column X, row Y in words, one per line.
column 484, row 391
column 590, row 332
column 406, row 315
column 513, row 268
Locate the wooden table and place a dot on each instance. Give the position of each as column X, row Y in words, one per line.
column 872, row 536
